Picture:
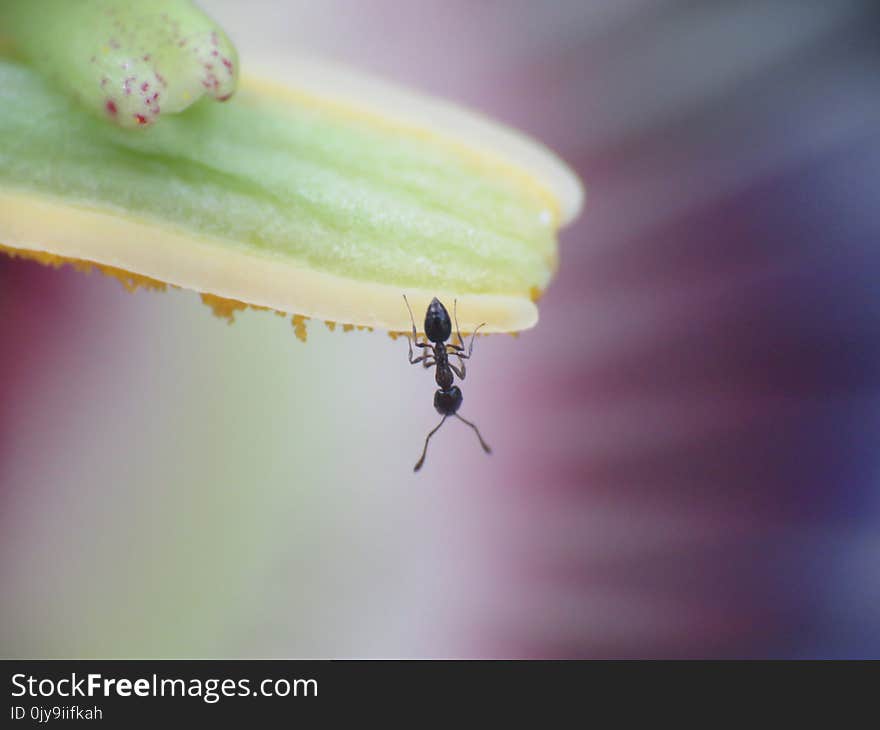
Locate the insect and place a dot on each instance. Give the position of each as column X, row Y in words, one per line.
column 448, row 398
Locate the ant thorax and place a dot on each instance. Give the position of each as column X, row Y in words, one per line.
column 443, row 374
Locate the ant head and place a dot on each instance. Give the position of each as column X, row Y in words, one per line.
column 447, row 402
column 438, row 326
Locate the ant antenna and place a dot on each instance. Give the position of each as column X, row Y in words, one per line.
column 477, row 431
column 428, row 438
column 458, row 330
column 411, row 318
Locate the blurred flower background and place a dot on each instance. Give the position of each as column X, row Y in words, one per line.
column 686, row 448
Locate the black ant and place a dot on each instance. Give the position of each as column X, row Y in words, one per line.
column 438, row 328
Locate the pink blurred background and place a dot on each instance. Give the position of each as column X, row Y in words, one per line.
column 685, row 447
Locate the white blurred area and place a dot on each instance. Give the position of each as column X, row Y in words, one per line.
column 192, row 488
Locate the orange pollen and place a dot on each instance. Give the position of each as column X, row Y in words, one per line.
column 299, row 327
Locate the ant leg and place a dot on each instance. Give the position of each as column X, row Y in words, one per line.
column 428, row 438
column 471, row 346
column 415, row 338
column 459, row 349
column 460, row 354
column 426, row 360
column 460, row 345
column 477, row 431
column 413, row 361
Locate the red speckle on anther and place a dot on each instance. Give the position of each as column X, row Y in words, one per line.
column 147, row 57
column 161, row 79
column 228, row 64
column 111, row 107
column 141, row 119
column 225, row 97
column 145, row 86
column 215, row 52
